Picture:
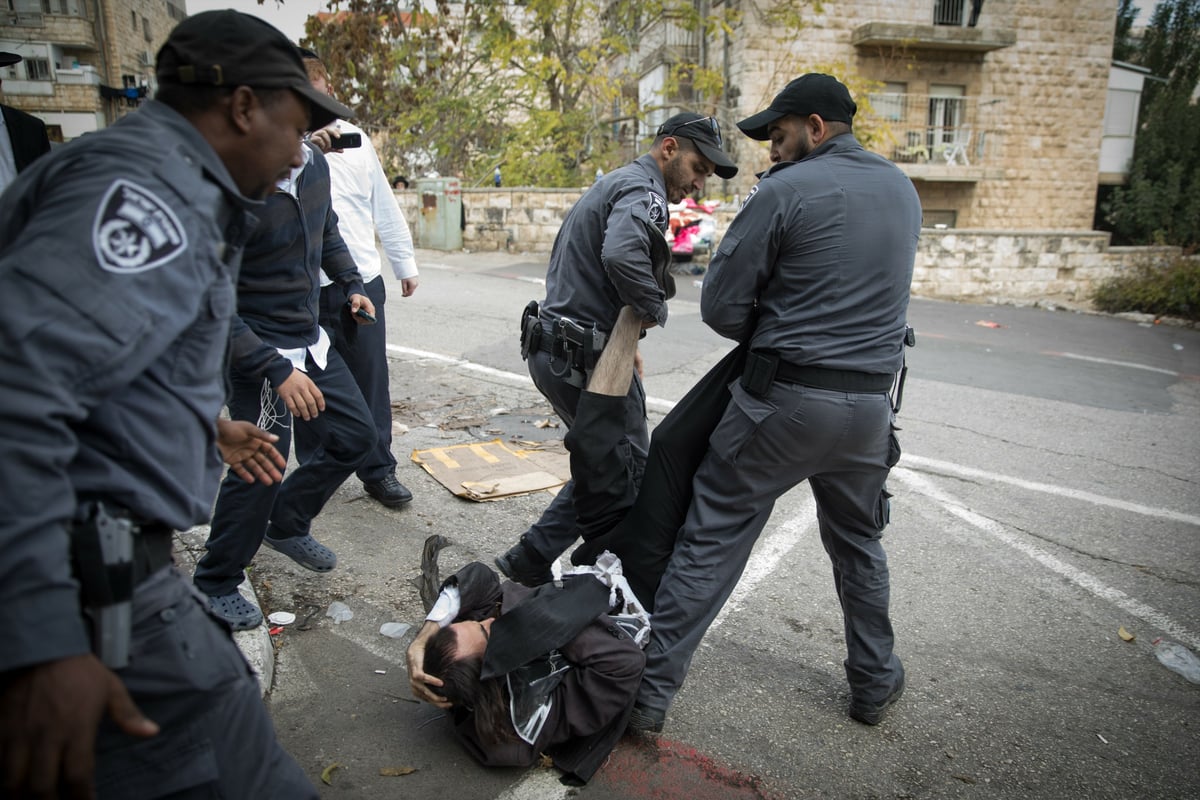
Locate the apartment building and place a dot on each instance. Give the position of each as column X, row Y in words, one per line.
column 86, row 62
column 995, row 109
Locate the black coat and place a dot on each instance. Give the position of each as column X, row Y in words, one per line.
column 28, row 135
column 591, row 705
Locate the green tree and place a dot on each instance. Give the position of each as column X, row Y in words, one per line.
column 1160, row 204
column 410, row 78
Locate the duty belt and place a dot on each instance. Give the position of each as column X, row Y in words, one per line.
column 764, row 367
column 841, row 380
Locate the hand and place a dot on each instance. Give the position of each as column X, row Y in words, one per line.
column 249, row 452
column 49, row 714
column 408, row 286
column 638, row 365
column 358, row 301
column 323, row 138
column 301, row 395
column 417, row 679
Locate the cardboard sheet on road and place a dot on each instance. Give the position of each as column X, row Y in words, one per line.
column 493, row 470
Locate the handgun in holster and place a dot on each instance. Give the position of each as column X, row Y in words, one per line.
column 578, row 346
column 759, row 374
column 102, row 560
column 531, row 330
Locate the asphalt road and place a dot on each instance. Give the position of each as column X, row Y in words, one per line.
column 1047, row 498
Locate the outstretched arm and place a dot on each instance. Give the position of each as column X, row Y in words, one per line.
column 614, row 370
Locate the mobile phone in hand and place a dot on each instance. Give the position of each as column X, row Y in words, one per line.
column 364, row 314
column 346, row 140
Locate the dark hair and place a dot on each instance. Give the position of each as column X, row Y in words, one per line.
column 192, row 99
column 487, row 700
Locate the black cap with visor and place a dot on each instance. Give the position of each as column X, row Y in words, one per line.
column 228, row 48
column 705, row 133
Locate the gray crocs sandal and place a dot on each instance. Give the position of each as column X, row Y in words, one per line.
column 305, row 551
column 240, row 613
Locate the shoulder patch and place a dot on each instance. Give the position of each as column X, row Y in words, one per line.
column 753, row 191
column 134, row 230
column 657, row 210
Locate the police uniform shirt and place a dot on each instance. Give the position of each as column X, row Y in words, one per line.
column 118, row 255
column 818, row 262
column 601, row 257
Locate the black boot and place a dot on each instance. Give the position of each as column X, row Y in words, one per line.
column 524, row 565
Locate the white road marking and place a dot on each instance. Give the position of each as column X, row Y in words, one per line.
column 1080, row 578
column 654, row 402
column 767, row 555
column 1111, row 362
column 538, row 784
column 1073, row 494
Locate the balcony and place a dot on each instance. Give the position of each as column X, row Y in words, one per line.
column 935, row 138
column 952, row 27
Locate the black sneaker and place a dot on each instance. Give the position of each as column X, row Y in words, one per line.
column 523, row 564
column 646, row 720
column 388, row 491
column 873, row 713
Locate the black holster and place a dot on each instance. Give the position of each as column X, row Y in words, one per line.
column 759, row 374
column 531, row 329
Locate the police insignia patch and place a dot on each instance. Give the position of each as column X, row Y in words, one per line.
column 658, row 209
column 134, row 230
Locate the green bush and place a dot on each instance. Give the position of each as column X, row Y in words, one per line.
column 1165, row 290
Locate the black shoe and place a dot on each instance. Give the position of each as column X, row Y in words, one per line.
column 388, row 491
column 873, row 713
column 646, row 720
column 523, row 564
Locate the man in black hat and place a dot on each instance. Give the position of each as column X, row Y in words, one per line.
column 823, row 312
column 119, row 253
column 22, row 136
column 610, row 252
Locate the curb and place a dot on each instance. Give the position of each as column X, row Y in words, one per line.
column 255, row 644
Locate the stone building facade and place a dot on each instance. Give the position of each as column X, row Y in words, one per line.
column 998, row 123
column 86, row 62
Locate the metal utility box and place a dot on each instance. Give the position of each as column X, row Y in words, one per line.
column 439, row 213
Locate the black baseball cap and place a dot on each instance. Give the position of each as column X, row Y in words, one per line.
column 706, row 134
column 229, row 48
column 7, row 59
column 814, row 93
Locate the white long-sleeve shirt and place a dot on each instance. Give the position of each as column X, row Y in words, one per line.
column 364, row 204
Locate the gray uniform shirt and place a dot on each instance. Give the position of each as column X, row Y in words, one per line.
column 818, row 262
column 118, row 255
column 601, row 257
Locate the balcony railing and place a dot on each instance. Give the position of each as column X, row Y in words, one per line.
column 933, row 129
column 956, row 12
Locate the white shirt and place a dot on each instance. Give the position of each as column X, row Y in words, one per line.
column 8, row 162
column 364, row 204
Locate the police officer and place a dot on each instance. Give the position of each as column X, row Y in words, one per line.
column 118, row 254
column 609, row 252
column 823, row 310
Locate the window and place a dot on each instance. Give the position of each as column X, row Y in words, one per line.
column 1120, row 118
column 935, row 218
column 890, row 104
column 947, row 107
column 948, row 12
column 146, row 29
column 133, row 20
column 37, row 69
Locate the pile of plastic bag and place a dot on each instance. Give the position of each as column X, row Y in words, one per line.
column 692, row 228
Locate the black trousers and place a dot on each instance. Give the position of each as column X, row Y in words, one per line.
column 640, row 525
column 345, row 436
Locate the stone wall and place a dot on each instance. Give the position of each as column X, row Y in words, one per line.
column 1038, row 105
column 954, row 263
